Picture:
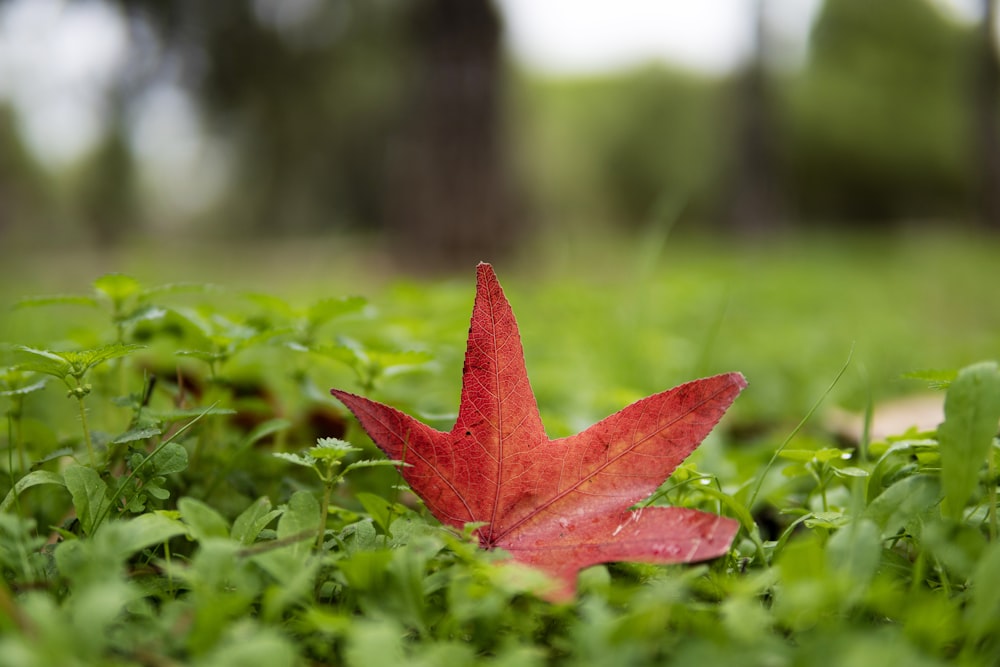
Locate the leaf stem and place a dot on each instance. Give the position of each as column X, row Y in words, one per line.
column 396, row 487
column 10, row 454
column 795, row 431
column 15, row 432
column 170, row 571
column 324, row 511
column 86, row 430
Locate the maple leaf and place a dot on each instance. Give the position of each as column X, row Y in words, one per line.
column 559, row 505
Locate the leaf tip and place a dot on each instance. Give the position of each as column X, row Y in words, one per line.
column 485, row 272
column 342, row 396
column 738, row 379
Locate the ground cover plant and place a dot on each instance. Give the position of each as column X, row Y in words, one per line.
column 179, row 488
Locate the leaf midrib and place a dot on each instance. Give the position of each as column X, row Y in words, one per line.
column 572, row 488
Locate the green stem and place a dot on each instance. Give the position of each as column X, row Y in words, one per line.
column 170, row 570
column 10, row 453
column 323, row 513
column 774, row 457
column 396, row 487
column 15, row 431
column 86, row 431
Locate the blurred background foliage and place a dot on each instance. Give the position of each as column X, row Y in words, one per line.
column 406, row 122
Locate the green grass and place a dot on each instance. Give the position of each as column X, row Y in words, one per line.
column 147, row 521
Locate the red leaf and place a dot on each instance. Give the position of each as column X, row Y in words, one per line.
column 560, row 505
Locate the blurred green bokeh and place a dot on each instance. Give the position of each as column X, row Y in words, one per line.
column 406, row 124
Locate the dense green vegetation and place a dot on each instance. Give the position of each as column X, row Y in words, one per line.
column 178, row 487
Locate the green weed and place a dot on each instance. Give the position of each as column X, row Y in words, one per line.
column 199, row 499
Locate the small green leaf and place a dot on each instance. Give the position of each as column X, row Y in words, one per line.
column 828, row 454
column 331, row 449
column 82, row 361
column 90, row 495
column 983, row 613
column 850, row 471
column 328, row 309
column 169, row 459
column 900, row 449
column 343, row 353
column 117, row 286
column 828, row 520
column 935, row 379
column 902, row 502
column 142, row 314
column 336, row 444
column 956, row 546
column 855, row 551
column 247, row 526
column 43, row 361
column 33, row 478
column 363, row 536
column 374, row 463
column 55, row 455
column 377, row 507
column 297, row 459
column 271, row 304
column 136, row 434
column 24, row 390
column 149, row 529
column 153, row 489
column 270, row 427
column 204, row 521
column 302, row 515
column 971, row 418
column 298, row 529
column 365, row 568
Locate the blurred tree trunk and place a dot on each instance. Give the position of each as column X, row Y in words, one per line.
column 450, row 201
column 987, row 119
column 109, row 203
column 753, row 203
column 23, row 195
